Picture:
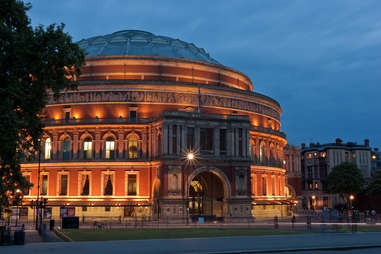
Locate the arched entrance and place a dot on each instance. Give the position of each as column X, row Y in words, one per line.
column 207, row 194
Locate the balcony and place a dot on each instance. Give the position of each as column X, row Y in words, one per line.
column 268, row 131
column 92, row 121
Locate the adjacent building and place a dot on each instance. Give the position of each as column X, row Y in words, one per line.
column 318, row 161
column 158, row 128
column 293, row 173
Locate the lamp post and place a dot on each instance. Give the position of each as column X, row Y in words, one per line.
column 313, row 202
column 190, row 157
column 351, row 198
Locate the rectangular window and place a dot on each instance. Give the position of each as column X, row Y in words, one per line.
column 85, row 184
column 174, row 139
column 27, row 191
column 44, row 185
column 110, row 148
column 67, row 116
column 190, row 138
column 133, row 115
column 131, row 185
column 240, row 142
column 107, row 209
column 223, row 141
column 264, row 186
column 63, row 185
column 206, row 139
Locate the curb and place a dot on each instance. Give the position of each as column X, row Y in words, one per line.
column 297, row 250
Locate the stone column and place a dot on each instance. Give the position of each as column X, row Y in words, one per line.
column 165, row 139
column 75, row 145
column 246, row 143
column 184, row 139
column 178, row 140
column 55, row 146
column 144, row 143
column 170, row 137
column 120, row 144
column 97, row 145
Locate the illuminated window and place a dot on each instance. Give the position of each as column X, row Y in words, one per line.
column 110, row 148
column 131, row 187
column 87, row 148
column 323, row 154
column 316, row 186
column 48, row 148
column 133, row 147
column 66, row 149
column 309, row 155
column 261, row 153
column 264, row 186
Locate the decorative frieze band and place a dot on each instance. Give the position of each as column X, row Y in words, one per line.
column 164, row 97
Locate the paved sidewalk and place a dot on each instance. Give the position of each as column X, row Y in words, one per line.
column 253, row 244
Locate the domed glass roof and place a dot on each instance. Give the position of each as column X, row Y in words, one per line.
column 141, row 43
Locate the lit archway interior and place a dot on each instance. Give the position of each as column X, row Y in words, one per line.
column 206, row 196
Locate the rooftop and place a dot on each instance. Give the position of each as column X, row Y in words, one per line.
column 142, row 43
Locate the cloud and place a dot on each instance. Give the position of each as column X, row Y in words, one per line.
column 320, row 60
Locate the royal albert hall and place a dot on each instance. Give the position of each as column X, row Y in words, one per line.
column 158, row 129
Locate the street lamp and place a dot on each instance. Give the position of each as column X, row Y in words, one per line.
column 313, row 202
column 351, row 198
column 190, row 156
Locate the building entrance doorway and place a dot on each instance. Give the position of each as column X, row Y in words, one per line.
column 206, row 196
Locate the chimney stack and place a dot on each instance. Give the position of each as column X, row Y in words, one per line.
column 303, row 145
column 366, row 142
column 338, row 141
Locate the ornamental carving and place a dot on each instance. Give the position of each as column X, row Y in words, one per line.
column 164, row 97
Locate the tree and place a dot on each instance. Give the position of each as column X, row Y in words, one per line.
column 345, row 179
column 374, row 187
column 34, row 63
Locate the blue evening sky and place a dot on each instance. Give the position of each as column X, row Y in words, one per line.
column 319, row 59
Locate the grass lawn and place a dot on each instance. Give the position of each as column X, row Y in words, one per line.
column 167, row 233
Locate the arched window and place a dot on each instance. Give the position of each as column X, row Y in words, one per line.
column 109, row 148
column 133, row 147
column 87, row 148
column 66, row 149
column 261, row 152
column 48, row 149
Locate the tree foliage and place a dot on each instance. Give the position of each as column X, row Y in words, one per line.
column 345, row 179
column 34, row 63
column 374, row 187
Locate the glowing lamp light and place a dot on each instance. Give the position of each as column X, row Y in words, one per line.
column 351, row 197
column 313, row 197
column 190, row 156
